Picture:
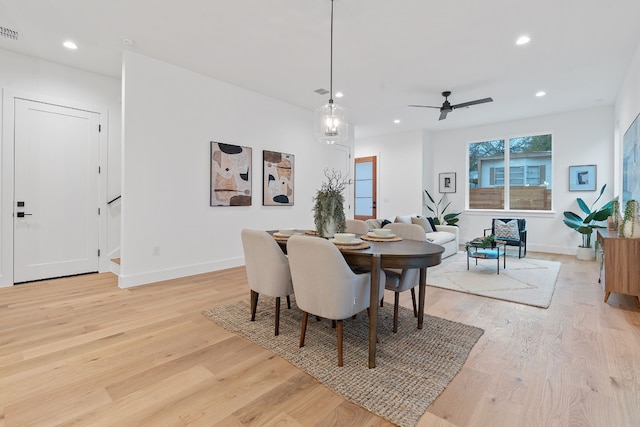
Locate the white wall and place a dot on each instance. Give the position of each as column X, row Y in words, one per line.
column 40, row 79
column 399, row 162
column 170, row 117
column 579, row 138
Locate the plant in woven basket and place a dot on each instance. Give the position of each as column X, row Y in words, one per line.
column 328, row 207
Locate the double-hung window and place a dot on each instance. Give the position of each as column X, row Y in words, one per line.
column 511, row 174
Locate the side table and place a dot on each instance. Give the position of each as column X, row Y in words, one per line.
column 481, row 251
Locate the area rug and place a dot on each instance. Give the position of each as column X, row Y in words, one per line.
column 412, row 366
column 525, row 280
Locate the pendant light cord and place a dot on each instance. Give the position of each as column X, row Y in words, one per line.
column 331, row 60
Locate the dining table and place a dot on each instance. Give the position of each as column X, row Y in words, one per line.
column 379, row 255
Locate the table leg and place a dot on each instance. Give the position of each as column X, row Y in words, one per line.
column 504, row 255
column 373, row 308
column 422, row 291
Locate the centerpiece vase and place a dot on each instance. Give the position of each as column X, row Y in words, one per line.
column 630, row 226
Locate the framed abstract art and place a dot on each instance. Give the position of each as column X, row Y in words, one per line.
column 230, row 175
column 277, row 179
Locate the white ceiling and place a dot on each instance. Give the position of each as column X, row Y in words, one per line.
column 387, row 54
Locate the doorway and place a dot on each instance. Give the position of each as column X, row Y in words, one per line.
column 56, row 191
column 365, row 188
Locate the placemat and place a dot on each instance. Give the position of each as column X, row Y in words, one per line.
column 363, row 245
column 380, row 239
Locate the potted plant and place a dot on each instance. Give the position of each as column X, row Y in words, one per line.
column 439, row 216
column 586, row 225
column 328, row 207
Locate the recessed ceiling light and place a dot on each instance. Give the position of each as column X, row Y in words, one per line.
column 70, row 45
column 396, row 121
column 339, row 94
column 540, row 93
column 523, row 40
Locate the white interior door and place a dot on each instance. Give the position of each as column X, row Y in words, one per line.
column 56, row 191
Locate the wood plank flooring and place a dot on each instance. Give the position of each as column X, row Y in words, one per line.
column 82, row 352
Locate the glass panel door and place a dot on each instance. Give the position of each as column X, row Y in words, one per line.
column 365, row 188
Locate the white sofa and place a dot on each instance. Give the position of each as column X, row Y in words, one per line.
column 447, row 236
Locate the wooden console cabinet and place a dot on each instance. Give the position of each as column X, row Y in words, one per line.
column 621, row 264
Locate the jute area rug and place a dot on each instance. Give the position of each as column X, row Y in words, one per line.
column 412, row 366
column 525, row 280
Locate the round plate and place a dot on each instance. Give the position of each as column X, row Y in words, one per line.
column 372, row 234
column 353, row 242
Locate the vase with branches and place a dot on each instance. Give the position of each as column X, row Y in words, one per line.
column 328, row 207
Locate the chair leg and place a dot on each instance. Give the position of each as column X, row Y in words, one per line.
column 305, row 316
column 413, row 299
column 289, row 302
column 396, row 303
column 277, row 330
column 382, row 301
column 340, row 325
column 254, row 304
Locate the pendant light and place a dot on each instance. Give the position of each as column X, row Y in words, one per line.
column 331, row 119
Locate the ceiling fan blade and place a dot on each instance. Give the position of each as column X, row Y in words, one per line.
column 443, row 114
column 423, row 106
column 470, row 103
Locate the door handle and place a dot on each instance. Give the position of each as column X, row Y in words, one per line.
column 22, row 214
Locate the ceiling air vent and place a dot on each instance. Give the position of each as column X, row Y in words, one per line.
column 8, row 33
column 321, row 91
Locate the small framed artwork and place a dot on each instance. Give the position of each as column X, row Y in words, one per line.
column 582, row 178
column 448, row 182
column 277, row 179
column 230, row 175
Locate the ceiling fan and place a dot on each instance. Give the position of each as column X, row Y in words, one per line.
column 447, row 107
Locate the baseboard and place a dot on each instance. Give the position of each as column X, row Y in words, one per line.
column 128, row 281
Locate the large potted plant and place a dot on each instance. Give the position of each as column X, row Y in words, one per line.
column 439, row 216
column 590, row 222
column 328, row 207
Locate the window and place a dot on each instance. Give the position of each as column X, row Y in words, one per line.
column 523, row 162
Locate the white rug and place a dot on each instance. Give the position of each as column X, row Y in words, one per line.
column 525, row 281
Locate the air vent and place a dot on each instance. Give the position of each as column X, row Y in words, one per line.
column 8, row 33
column 321, row 91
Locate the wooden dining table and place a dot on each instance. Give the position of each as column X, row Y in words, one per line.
column 402, row 254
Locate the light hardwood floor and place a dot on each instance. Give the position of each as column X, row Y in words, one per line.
column 81, row 351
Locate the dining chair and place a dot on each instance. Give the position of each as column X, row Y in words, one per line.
column 356, row 226
column 324, row 284
column 267, row 270
column 404, row 280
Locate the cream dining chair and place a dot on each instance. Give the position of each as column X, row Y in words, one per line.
column 267, row 270
column 356, row 226
column 404, row 280
column 324, row 284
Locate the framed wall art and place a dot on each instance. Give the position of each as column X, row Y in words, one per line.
column 230, row 175
column 448, row 182
column 631, row 162
column 277, row 179
column 582, row 178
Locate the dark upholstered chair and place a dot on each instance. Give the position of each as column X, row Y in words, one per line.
column 504, row 229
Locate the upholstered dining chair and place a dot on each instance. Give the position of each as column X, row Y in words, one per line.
column 513, row 231
column 357, row 226
column 267, row 270
column 404, row 280
column 324, row 284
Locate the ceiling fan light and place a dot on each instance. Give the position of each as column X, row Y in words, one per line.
column 331, row 124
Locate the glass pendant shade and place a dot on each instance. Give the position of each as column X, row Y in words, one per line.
column 331, row 124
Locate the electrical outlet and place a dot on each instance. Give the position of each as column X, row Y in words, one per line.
column 156, row 251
